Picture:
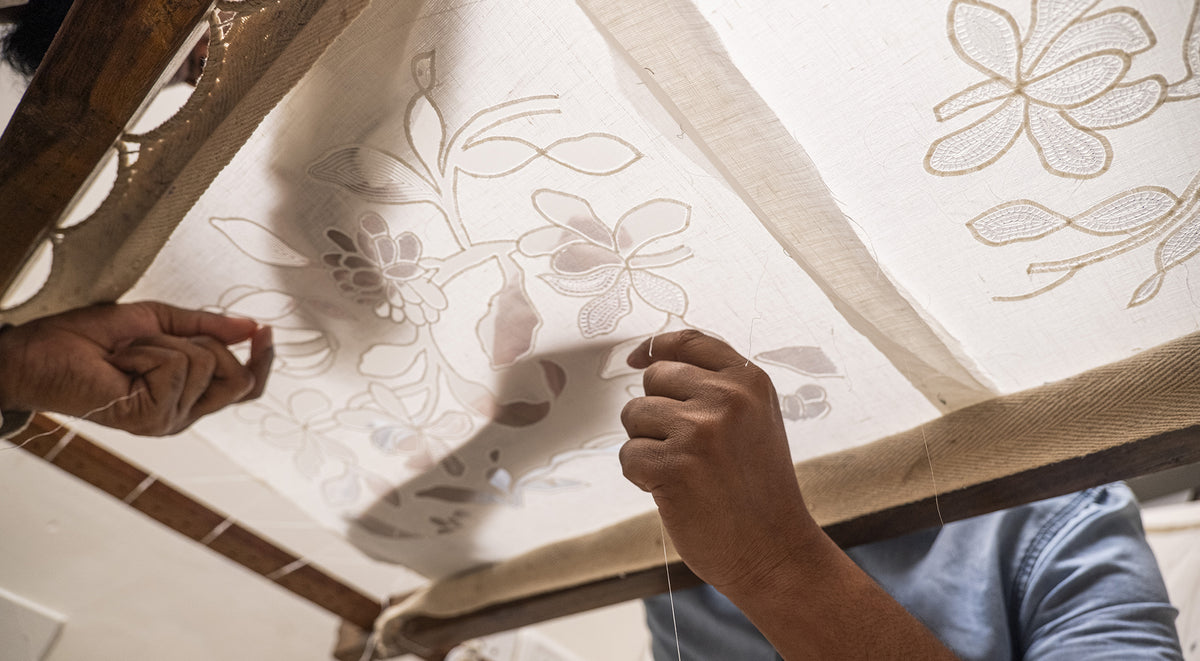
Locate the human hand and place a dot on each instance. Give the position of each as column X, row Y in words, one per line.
column 708, row 442
column 148, row 368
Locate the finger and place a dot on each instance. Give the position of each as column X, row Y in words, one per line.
column 191, row 323
column 161, row 374
column 642, row 462
column 668, row 378
column 650, row 417
column 231, row 381
column 262, row 354
column 687, row 346
column 197, row 370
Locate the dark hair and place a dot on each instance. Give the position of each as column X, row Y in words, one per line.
column 26, row 42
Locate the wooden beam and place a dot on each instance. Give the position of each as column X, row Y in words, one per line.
column 106, row 59
column 159, row 500
column 1149, row 455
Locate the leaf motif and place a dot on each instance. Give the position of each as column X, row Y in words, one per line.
column 649, row 221
column 1146, row 290
column 601, row 315
column 1020, row 220
column 809, row 361
column 426, row 133
column 373, row 176
column 594, row 153
column 572, row 212
column 1127, row 211
column 521, row 414
column 508, row 330
column 495, row 157
column 660, row 293
column 258, row 242
column 1181, row 244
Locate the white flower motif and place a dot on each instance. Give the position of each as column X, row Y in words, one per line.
column 1059, row 83
column 384, row 272
column 394, row 431
column 592, row 261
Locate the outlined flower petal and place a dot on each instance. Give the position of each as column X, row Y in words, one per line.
column 508, row 330
column 452, row 425
column 424, row 70
column 258, row 242
column 1049, row 19
column 495, row 157
column 430, row 294
column 426, row 133
column 585, row 284
column 1188, row 87
column 1078, row 82
column 973, row 96
column 1120, row 29
column 372, row 175
column 545, row 240
column 601, row 315
column 1066, row 149
column 978, row 145
column 660, row 293
column 1019, row 220
column 986, row 37
column 308, row 403
column 660, row 259
column 649, row 221
column 264, row 305
column 583, row 257
column 1123, row 104
column 571, row 212
column 809, row 361
column 386, row 361
column 594, row 153
column 1127, row 211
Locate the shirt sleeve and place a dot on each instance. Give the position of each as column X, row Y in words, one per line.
column 1088, row 586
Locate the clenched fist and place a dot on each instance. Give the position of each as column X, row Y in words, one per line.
column 708, row 442
column 147, row 368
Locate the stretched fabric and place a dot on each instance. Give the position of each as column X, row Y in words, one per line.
column 461, row 217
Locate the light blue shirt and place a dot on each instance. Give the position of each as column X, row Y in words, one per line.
column 1065, row 579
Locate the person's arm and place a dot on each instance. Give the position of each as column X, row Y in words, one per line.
column 148, row 368
column 708, row 442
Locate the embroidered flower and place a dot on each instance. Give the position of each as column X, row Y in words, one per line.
column 1059, row 83
column 384, row 272
column 592, row 261
column 394, row 431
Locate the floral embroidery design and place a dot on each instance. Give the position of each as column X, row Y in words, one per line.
column 300, row 349
column 1140, row 216
column 592, row 261
column 423, row 438
column 384, row 272
column 1060, row 83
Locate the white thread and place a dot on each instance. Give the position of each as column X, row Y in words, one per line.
column 71, row 434
column 139, row 489
column 670, row 593
column 58, row 447
column 287, row 569
column 368, row 651
column 216, row 532
column 929, row 458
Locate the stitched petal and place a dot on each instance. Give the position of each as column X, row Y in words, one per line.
column 1121, row 29
column 652, row 220
column 1122, row 105
column 979, row 144
column 986, row 36
column 602, row 314
column 572, row 212
column 1066, row 149
column 1080, row 81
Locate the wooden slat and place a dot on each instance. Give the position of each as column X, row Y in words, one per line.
column 1142, row 457
column 173, row 508
column 102, row 65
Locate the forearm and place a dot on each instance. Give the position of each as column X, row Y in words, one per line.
column 820, row 605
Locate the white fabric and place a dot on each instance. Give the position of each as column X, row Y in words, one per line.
column 464, row 216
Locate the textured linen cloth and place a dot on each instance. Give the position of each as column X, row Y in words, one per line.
column 1066, row 578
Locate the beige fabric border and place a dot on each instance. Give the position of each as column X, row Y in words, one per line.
column 264, row 54
column 1152, row 393
column 745, row 141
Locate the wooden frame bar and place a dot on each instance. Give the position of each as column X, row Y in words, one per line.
column 106, row 59
column 159, row 500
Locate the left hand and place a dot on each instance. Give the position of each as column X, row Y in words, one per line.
column 708, row 442
column 148, row 368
